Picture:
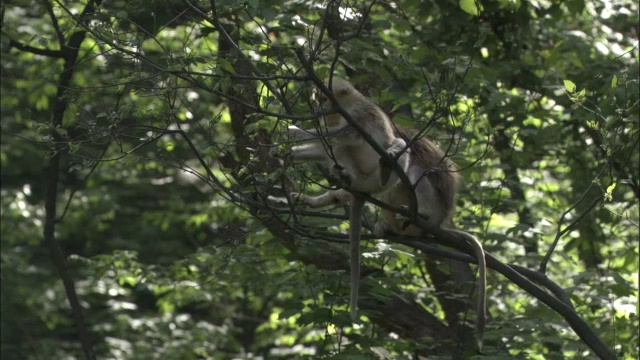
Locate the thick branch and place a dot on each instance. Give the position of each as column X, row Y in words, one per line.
column 582, row 329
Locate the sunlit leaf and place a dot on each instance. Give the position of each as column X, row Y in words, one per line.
column 469, row 6
column 609, row 193
column 569, row 85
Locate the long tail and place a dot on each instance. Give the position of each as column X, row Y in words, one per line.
column 355, row 227
column 482, row 285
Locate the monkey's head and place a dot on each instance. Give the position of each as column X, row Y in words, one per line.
column 342, row 90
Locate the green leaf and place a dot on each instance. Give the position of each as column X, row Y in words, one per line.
column 469, row 6
column 614, row 82
column 571, row 87
column 287, row 313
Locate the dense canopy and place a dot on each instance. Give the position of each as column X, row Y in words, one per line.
column 145, row 216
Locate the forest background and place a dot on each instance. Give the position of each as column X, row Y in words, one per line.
column 137, row 179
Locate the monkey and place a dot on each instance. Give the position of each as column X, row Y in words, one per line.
column 354, row 163
column 434, row 178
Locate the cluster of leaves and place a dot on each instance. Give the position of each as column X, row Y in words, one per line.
column 136, row 137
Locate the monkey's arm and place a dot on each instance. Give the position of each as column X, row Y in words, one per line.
column 330, row 197
column 317, row 145
column 300, row 134
column 312, row 151
column 314, row 134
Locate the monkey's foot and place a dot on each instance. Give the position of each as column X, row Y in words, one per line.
column 382, row 228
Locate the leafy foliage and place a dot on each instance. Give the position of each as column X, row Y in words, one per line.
column 137, row 140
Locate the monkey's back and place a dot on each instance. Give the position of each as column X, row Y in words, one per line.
column 370, row 117
column 439, row 169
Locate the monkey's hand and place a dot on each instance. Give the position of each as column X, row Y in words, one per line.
column 330, row 197
column 399, row 152
column 398, row 147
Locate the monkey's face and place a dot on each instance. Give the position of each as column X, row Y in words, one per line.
column 324, row 101
column 341, row 94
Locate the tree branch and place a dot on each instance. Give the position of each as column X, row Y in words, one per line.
column 34, row 50
column 69, row 53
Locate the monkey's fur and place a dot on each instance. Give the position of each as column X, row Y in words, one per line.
column 354, row 162
column 434, row 178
